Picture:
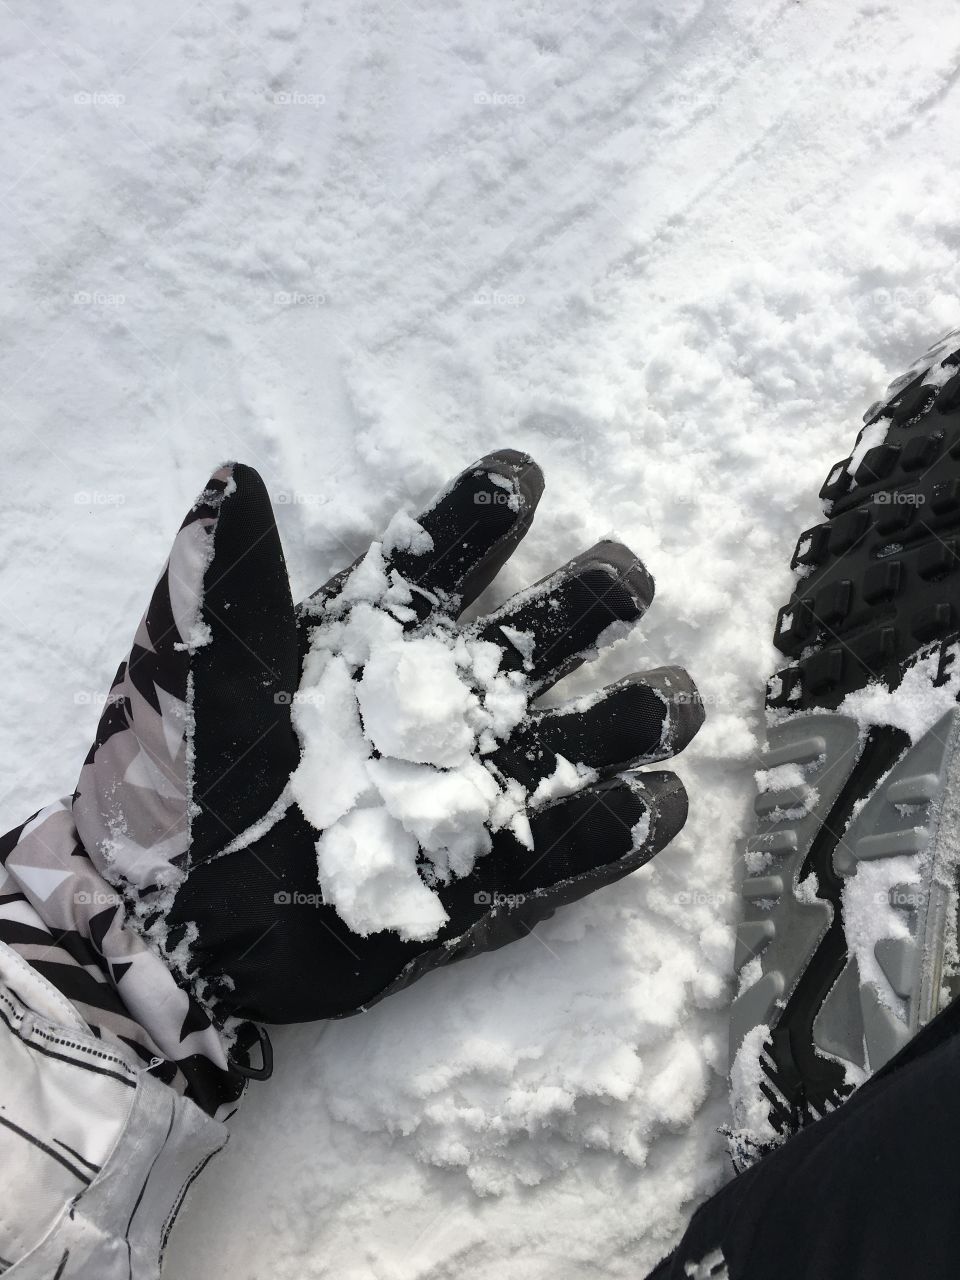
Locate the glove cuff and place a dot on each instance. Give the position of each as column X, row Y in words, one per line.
column 60, row 915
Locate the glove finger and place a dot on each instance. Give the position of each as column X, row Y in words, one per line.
column 475, row 524
column 270, row 956
column 205, row 686
column 603, row 832
column 557, row 624
column 244, row 674
column 580, row 844
column 641, row 719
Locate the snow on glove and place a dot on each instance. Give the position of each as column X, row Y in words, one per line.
column 433, row 797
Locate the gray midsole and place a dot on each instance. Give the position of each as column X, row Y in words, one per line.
column 912, row 814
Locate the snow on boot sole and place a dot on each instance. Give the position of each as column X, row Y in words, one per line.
column 847, row 942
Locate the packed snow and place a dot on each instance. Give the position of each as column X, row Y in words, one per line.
column 395, row 723
column 673, row 251
column 914, row 706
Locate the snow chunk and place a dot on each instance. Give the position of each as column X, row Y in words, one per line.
column 414, row 704
column 868, row 914
column 751, row 1110
column 444, row 809
column 524, row 642
column 367, row 581
column 780, row 778
column 198, row 636
column 403, row 533
column 564, row 781
column 511, row 485
column 363, row 630
column 331, row 774
column 914, row 706
column 394, row 725
column 640, row 831
column 368, row 870
column 870, row 437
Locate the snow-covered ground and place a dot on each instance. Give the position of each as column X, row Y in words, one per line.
column 673, row 250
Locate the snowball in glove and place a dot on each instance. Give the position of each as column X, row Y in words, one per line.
column 401, row 804
column 307, row 808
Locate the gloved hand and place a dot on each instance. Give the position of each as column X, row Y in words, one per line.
column 184, row 805
column 261, row 947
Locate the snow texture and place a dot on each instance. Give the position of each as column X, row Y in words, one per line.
column 749, row 1106
column 393, row 727
column 914, row 706
column 671, row 249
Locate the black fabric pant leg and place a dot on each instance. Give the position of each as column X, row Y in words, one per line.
column 871, row 1192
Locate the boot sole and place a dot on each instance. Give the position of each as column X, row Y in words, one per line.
column 847, row 943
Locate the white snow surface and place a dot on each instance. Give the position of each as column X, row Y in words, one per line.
column 671, row 249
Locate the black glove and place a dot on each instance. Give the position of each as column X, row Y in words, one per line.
column 258, row 945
